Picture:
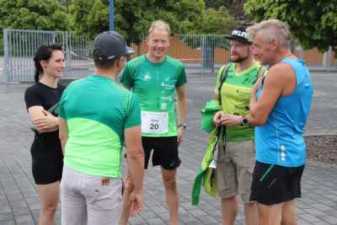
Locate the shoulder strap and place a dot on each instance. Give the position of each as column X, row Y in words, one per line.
column 54, row 109
column 223, row 71
column 260, row 73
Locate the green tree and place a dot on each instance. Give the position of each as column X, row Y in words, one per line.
column 136, row 16
column 98, row 16
column 133, row 17
column 88, row 17
column 234, row 7
column 314, row 23
column 33, row 14
column 217, row 21
column 215, row 4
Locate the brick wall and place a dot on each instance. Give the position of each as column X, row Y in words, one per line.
column 187, row 54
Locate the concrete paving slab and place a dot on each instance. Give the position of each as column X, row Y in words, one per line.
column 19, row 202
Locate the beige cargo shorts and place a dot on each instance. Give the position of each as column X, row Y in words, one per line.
column 234, row 168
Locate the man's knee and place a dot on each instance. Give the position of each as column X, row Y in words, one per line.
column 230, row 199
column 250, row 208
column 250, row 205
column 289, row 213
column 288, row 221
column 49, row 208
column 169, row 180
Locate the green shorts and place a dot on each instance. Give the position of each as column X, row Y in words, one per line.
column 234, row 169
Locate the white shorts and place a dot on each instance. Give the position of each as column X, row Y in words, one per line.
column 84, row 200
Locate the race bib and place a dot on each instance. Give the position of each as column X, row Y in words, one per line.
column 154, row 122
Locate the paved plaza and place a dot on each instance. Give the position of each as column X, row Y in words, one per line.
column 19, row 203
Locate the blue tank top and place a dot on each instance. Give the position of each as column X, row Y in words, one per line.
column 280, row 140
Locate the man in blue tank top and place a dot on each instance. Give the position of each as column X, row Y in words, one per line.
column 279, row 109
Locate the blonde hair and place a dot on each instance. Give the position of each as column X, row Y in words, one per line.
column 160, row 25
column 272, row 29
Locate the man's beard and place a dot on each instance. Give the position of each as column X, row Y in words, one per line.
column 239, row 59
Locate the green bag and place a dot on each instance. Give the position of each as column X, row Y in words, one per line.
column 209, row 182
column 213, row 106
column 207, row 114
column 206, row 174
column 199, row 180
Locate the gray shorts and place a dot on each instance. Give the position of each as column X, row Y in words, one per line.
column 85, row 201
column 234, row 169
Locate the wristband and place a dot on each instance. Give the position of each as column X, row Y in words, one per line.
column 183, row 125
column 244, row 121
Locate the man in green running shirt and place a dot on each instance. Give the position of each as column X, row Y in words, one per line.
column 97, row 117
column 235, row 159
column 156, row 79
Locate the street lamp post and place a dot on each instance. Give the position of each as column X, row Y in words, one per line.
column 111, row 15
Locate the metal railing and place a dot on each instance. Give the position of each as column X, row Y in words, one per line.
column 210, row 51
column 201, row 53
column 20, row 47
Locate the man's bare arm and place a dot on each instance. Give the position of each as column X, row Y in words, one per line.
column 182, row 109
column 182, row 103
column 63, row 133
column 135, row 156
column 280, row 81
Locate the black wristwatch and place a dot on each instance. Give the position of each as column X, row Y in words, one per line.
column 244, row 121
column 183, row 125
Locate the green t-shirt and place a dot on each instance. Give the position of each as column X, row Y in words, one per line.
column 97, row 110
column 155, row 84
column 235, row 96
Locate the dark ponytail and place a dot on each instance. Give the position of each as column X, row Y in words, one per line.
column 44, row 52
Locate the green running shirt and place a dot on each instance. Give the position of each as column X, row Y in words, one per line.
column 155, row 84
column 235, row 96
column 97, row 110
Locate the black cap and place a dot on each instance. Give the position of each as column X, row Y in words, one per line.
column 239, row 34
column 110, row 44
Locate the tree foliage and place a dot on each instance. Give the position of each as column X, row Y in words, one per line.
column 215, row 4
column 314, row 23
column 217, row 21
column 89, row 17
column 133, row 17
column 33, row 14
column 234, row 7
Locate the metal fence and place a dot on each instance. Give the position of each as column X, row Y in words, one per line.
column 20, row 46
column 201, row 53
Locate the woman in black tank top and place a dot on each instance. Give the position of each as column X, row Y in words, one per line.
column 41, row 101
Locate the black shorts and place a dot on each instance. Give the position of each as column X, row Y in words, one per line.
column 47, row 161
column 47, row 170
column 274, row 184
column 165, row 152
